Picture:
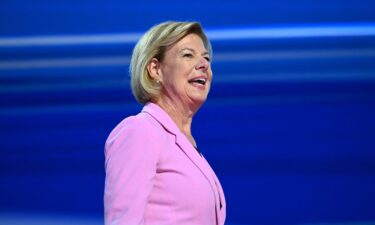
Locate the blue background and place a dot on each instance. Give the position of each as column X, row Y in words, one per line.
column 288, row 127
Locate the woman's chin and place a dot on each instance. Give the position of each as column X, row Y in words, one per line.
column 198, row 100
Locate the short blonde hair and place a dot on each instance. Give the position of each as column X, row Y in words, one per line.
column 153, row 44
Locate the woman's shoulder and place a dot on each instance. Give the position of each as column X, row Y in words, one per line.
column 141, row 124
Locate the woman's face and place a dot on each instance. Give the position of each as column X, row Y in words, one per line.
column 185, row 72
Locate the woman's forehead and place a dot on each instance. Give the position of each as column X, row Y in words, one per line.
column 191, row 42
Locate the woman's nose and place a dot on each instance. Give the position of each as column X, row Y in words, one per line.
column 202, row 64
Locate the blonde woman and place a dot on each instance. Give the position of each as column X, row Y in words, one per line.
column 155, row 174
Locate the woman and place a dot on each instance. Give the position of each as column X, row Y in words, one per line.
column 154, row 171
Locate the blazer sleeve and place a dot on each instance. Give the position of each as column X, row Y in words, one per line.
column 130, row 165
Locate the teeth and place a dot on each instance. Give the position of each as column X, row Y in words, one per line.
column 199, row 80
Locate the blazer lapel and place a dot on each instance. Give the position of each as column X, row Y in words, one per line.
column 205, row 168
column 221, row 207
column 181, row 140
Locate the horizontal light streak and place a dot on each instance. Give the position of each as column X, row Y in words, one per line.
column 64, row 62
column 249, row 78
column 295, row 77
column 292, row 54
column 281, row 32
column 218, row 57
column 339, row 30
column 62, row 40
column 131, row 104
column 62, row 86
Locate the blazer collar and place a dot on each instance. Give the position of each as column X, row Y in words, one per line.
column 170, row 126
column 162, row 117
column 181, row 140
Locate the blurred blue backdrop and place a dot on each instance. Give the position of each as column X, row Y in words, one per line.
column 289, row 125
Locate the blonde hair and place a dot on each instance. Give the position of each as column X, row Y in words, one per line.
column 153, row 44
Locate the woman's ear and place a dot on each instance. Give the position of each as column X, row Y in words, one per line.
column 153, row 69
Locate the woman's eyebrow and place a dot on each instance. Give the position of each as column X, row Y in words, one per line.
column 188, row 49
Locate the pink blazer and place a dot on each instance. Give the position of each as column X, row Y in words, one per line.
column 154, row 176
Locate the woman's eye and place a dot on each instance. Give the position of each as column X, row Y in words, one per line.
column 188, row 55
column 208, row 59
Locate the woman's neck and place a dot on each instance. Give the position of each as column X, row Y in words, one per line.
column 182, row 116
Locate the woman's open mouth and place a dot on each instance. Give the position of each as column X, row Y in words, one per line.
column 201, row 81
